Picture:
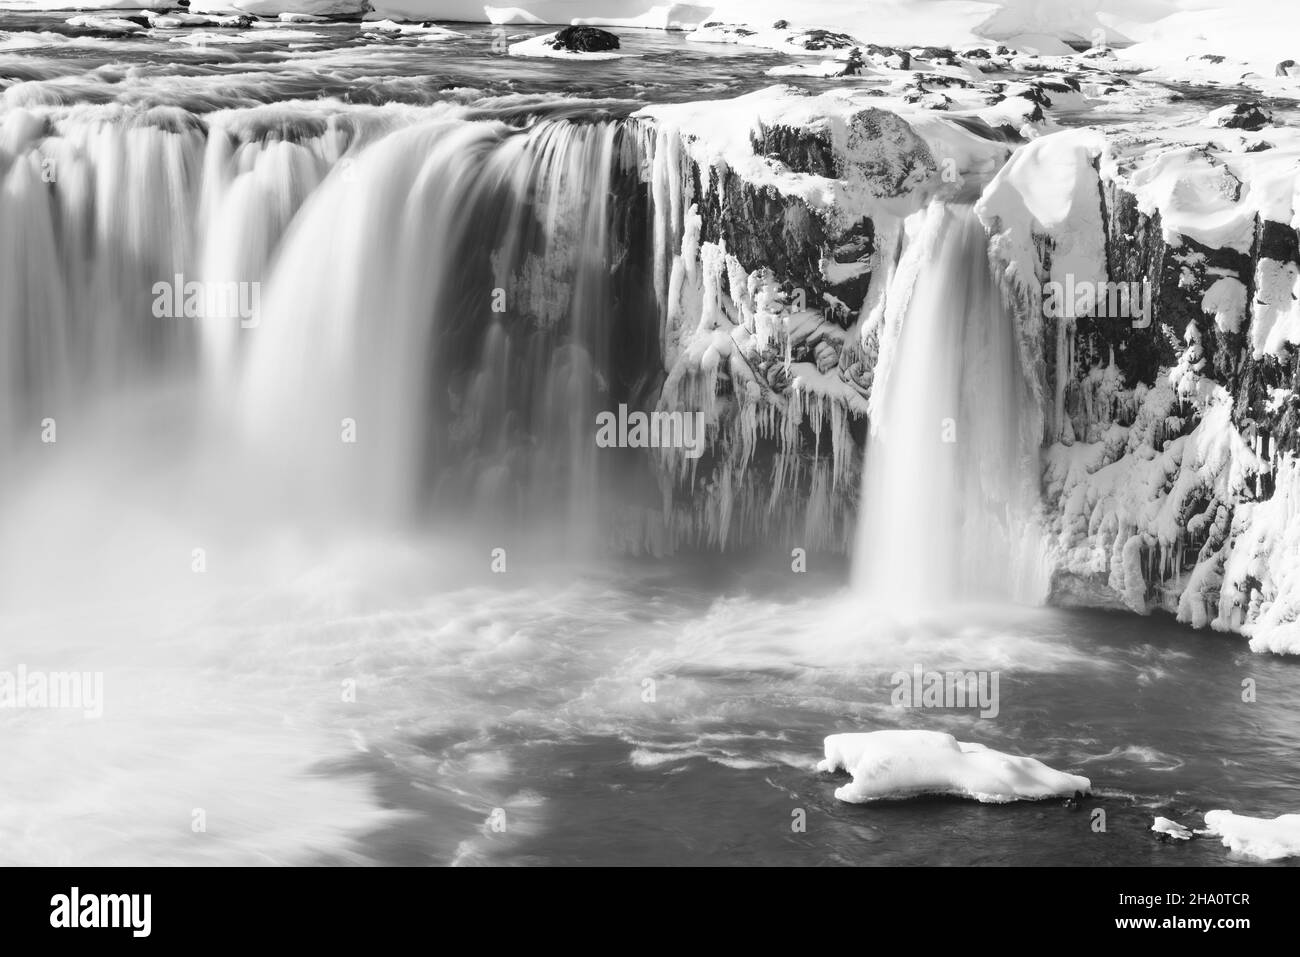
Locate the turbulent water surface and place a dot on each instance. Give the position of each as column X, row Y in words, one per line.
column 623, row 716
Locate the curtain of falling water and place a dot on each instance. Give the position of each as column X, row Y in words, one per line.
column 445, row 288
column 947, row 474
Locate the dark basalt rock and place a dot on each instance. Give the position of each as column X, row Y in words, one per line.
column 939, row 79
column 1179, row 277
column 1284, row 68
column 1246, row 116
column 803, row 150
column 762, row 228
column 884, row 53
column 825, row 40
column 935, row 55
column 1063, row 85
column 580, row 39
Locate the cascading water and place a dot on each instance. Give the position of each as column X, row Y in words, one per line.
column 948, row 464
column 441, row 284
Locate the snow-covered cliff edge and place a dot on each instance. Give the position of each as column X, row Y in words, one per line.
column 1168, row 412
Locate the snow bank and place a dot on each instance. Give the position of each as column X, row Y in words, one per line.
column 1254, row 35
column 1257, row 837
column 1049, row 190
column 888, row 150
column 901, row 764
column 1047, row 195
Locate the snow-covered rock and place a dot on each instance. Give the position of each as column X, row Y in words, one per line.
column 901, row 764
column 571, row 43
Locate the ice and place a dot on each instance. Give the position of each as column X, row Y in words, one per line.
column 1257, row 837
column 900, row 764
column 1172, row 829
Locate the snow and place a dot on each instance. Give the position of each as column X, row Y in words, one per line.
column 1259, row 33
column 1275, row 319
column 1257, row 837
column 1047, row 193
column 826, row 68
column 901, row 764
column 1049, row 189
column 1129, row 492
column 1208, row 183
column 419, row 29
column 1269, row 533
column 892, row 170
column 1166, row 34
column 1225, row 300
column 113, row 24
column 794, row 41
column 1197, row 196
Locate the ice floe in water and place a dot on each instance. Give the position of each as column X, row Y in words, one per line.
column 900, row 764
column 1171, row 829
column 1258, row 837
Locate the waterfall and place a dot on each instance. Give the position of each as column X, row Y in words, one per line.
column 949, row 470
column 426, row 308
column 429, row 308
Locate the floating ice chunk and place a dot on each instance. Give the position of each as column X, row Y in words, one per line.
column 110, row 24
column 1172, row 829
column 428, row 30
column 1258, row 837
column 900, row 764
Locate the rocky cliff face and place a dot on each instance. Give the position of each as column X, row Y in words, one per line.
column 1154, row 275
column 1169, row 480
column 780, row 232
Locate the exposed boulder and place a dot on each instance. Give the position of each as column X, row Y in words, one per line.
column 1242, row 116
column 581, row 39
column 825, row 40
